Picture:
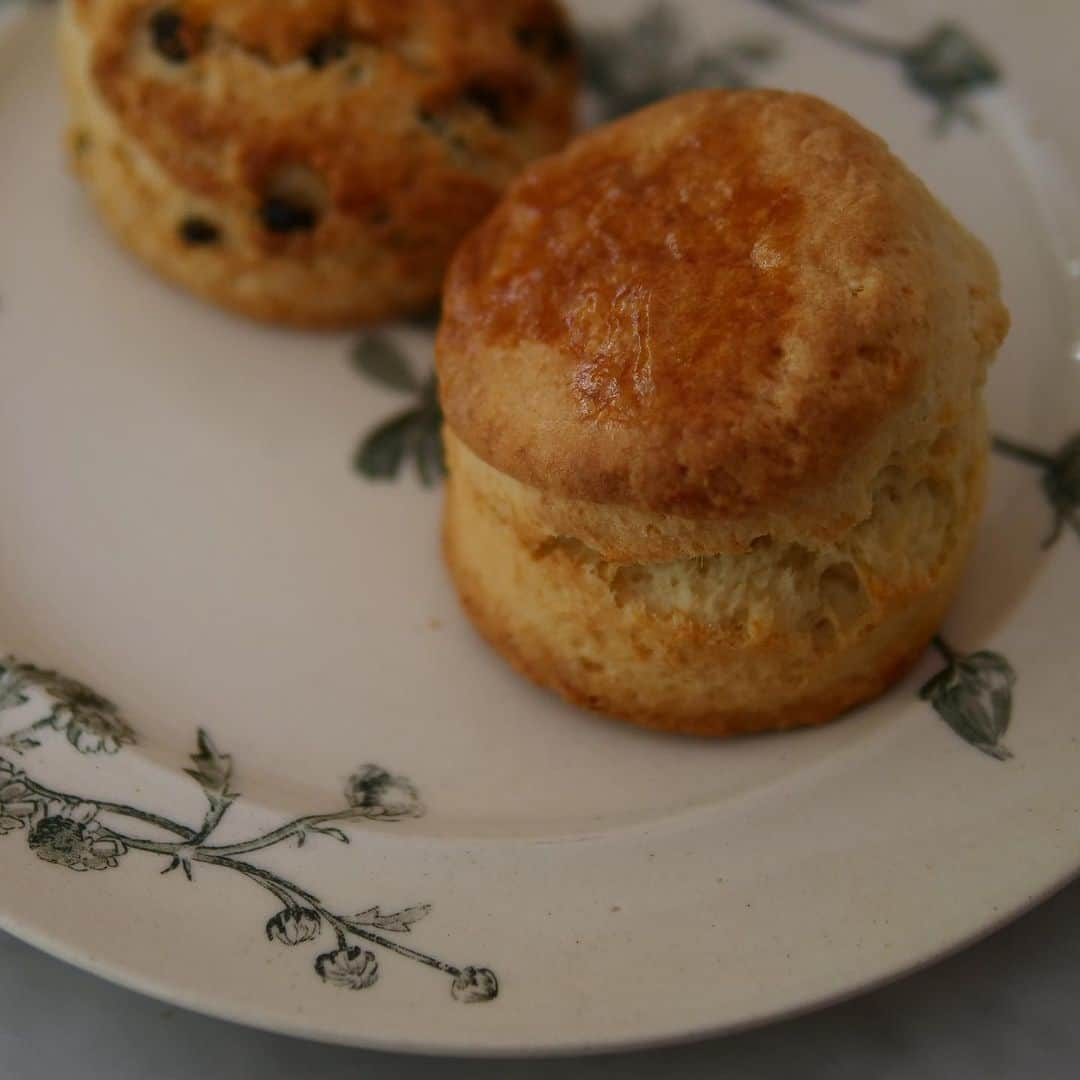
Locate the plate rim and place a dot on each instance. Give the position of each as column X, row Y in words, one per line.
column 101, row 967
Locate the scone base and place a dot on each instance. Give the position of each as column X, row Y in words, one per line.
column 684, row 671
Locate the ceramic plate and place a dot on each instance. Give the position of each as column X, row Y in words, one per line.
column 281, row 781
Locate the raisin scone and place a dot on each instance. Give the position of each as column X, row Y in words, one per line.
column 314, row 162
column 712, row 379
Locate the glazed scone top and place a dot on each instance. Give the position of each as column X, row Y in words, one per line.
column 710, row 306
column 386, row 110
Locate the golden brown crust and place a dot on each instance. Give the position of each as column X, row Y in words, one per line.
column 710, row 307
column 392, row 125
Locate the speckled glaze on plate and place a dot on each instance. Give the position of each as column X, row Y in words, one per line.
column 252, row 758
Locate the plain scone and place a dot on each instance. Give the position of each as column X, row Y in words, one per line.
column 712, row 379
column 312, row 162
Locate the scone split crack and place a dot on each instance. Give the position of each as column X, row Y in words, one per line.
column 715, row 304
column 781, row 635
column 832, row 588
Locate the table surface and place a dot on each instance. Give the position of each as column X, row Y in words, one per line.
column 1004, row 1008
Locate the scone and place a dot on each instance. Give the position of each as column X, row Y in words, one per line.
column 712, row 383
column 312, row 162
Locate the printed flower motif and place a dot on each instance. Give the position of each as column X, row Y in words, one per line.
column 414, row 433
column 93, row 727
column 69, row 834
column 61, row 688
column 377, row 794
column 475, row 984
column 92, row 723
column 17, row 804
column 973, row 695
column 294, row 926
column 947, row 65
column 66, row 831
column 350, row 968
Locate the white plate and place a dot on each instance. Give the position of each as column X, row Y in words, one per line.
column 182, row 530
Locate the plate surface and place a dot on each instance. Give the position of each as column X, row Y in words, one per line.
column 427, row 853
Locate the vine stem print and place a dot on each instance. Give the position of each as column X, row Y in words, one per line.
column 946, row 64
column 1060, row 480
column 68, row 831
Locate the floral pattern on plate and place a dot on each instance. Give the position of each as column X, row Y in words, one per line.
column 69, row 831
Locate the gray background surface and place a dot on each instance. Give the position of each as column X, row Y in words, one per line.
column 1008, row 1007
